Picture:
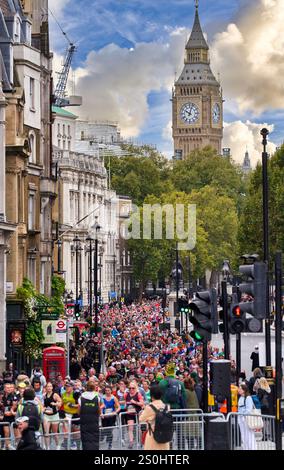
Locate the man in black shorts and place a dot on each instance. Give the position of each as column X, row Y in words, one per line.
column 10, row 403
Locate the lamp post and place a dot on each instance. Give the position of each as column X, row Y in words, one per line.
column 78, row 249
column 68, row 298
column 188, row 260
column 90, row 241
column 265, row 189
column 226, row 273
column 59, row 253
column 98, row 227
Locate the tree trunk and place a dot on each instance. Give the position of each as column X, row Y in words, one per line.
column 141, row 289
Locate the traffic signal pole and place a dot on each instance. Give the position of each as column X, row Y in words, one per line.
column 264, row 133
column 238, row 357
column 205, row 376
column 226, row 320
column 278, row 346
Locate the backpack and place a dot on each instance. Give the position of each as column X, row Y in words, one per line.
column 164, row 426
column 31, row 411
column 256, row 401
column 173, row 393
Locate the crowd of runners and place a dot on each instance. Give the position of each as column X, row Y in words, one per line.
column 132, row 356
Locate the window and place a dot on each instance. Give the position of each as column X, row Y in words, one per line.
column 32, row 270
column 32, row 93
column 33, row 156
column 63, row 129
column 69, row 131
column 42, row 277
column 69, row 145
column 64, row 144
column 58, row 129
column 17, row 30
column 59, row 143
column 31, row 211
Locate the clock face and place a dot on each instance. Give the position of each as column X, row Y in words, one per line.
column 189, row 113
column 216, row 113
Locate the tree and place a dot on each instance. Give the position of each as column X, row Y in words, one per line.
column 206, row 168
column 251, row 220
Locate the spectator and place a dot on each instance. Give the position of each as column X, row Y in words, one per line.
column 245, row 407
column 148, row 416
column 26, row 427
column 255, row 358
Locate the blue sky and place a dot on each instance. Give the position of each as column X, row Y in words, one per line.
column 130, row 24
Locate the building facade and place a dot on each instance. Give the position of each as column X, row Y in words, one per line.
column 30, row 186
column 197, row 102
column 6, row 229
column 84, row 202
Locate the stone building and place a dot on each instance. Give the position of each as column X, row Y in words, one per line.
column 197, row 102
column 6, row 229
column 84, row 200
column 30, row 186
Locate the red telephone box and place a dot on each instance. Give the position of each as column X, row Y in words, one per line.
column 54, row 363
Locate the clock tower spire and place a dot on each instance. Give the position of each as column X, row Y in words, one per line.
column 197, row 99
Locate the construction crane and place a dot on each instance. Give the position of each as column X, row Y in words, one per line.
column 60, row 91
column 60, row 99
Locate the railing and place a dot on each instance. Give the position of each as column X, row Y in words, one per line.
column 190, row 434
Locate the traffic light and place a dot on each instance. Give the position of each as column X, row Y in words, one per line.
column 77, row 312
column 204, row 315
column 255, row 287
column 183, row 307
column 237, row 320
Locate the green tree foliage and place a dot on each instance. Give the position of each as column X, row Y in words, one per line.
column 34, row 304
column 205, row 168
column 251, row 225
column 214, row 183
column 138, row 175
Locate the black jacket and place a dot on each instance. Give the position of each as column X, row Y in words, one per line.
column 28, row 440
column 89, row 422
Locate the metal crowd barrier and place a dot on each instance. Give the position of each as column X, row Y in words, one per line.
column 189, row 433
column 243, row 438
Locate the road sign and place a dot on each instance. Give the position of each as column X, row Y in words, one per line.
column 61, row 326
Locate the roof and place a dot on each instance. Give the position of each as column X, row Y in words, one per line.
column 62, row 112
column 197, row 40
column 197, row 74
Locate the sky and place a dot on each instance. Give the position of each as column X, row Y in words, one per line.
column 130, row 51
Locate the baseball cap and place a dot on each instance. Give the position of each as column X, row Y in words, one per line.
column 22, row 419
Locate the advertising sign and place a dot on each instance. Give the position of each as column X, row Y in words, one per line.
column 49, row 331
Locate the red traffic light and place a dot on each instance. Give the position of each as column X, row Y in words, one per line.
column 237, row 311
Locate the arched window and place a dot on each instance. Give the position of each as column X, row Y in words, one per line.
column 33, row 156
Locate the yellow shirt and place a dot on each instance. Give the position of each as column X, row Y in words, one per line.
column 69, row 399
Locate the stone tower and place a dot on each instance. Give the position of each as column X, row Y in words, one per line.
column 197, row 99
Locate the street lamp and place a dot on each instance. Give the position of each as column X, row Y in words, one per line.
column 265, row 189
column 68, row 298
column 78, row 250
column 59, row 253
column 98, row 228
column 90, row 241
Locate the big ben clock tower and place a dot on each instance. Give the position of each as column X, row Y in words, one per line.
column 197, row 99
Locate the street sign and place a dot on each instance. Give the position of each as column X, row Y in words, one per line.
column 61, row 326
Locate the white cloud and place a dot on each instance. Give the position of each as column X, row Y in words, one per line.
column 118, row 81
column 250, row 57
column 240, row 136
column 57, row 6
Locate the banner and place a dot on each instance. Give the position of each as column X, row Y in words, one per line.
column 49, row 331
